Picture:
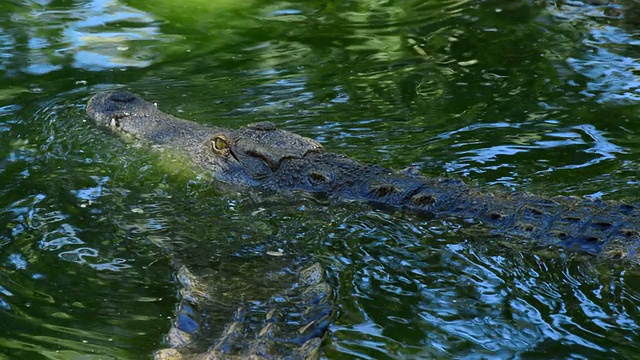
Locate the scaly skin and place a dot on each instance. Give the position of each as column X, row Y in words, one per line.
column 262, row 156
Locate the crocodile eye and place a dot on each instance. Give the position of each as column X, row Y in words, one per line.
column 219, row 145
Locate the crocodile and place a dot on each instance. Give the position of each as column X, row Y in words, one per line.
column 262, row 156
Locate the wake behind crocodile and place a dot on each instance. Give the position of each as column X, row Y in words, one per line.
column 262, row 156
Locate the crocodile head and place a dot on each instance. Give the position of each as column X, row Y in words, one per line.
column 246, row 155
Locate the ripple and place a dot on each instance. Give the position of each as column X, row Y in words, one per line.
column 460, row 295
column 487, row 147
column 607, row 62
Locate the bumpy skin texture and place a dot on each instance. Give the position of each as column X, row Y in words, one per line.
column 261, row 155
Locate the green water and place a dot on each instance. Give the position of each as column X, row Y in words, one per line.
column 537, row 96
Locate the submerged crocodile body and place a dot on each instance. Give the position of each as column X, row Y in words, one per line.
column 293, row 328
column 262, row 156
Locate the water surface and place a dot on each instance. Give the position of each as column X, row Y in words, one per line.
column 537, row 96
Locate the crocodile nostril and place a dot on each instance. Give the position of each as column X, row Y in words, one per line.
column 122, row 97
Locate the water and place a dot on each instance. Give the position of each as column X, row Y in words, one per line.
column 537, row 96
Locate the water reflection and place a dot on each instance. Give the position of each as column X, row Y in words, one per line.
column 609, row 66
column 483, row 155
column 41, row 38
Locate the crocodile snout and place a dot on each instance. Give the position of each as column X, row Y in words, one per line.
column 107, row 107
